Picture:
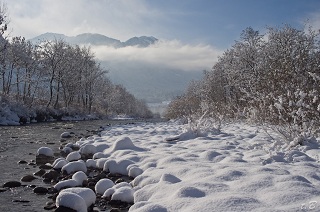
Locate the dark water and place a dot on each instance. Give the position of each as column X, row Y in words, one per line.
column 21, row 143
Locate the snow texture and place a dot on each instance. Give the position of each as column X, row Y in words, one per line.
column 75, row 166
column 102, row 185
column 73, row 156
column 241, row 168
column 85, row 193
column 45, row 151
column 71, row 200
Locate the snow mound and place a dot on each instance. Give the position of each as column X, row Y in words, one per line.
column 108, row 193
column 66, row 184
column 85, row 193
column 59, row 164
column 123, row 194
column 88, row 149
column 134, row 171
column 90, row 163
column 46, row 151
column 73, row 156
column 79, row 176
column 117, row 167
column 74, row 166
column 102, row 185
column 190, row 192
column 71, row 200
column 123, row 143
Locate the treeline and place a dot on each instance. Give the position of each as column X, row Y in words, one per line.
column 54, row 75
column 272, row 78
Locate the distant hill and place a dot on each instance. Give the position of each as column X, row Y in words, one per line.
column 97, row 39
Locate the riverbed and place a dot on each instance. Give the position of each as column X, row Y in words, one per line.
column 20, row 143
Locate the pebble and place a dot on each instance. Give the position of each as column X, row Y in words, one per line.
column 12, row 184
column 40, row 173
column 40, row 190
column 27, row 178
column 20, row 200
column 51, row 175
column 45, row 167
column 22, row 162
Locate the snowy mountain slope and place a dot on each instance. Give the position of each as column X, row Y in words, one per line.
column 97, row 39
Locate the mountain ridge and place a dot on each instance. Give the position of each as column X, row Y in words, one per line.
column 96, row 39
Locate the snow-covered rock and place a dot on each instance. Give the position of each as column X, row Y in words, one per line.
column 102, row 185
column 75, row 166
column 117, row 167
column 71, row 200
column 79, row 176
column 66, row 184
column 73, row 156
column 46, row 151
column 65, row 135
column 88, row 149
column 124, row 194
column 85, row 193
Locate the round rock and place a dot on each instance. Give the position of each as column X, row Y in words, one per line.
column 11, row 184
column 27, row 178
column 40, row 190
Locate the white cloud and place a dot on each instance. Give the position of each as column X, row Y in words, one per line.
column 168, row 54
column 120, row 19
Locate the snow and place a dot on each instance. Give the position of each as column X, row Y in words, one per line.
column 85, row 193
column 73, row 156
column 79, row 176
column 75, row 166
column 240, row 168
column 102, row 185
column 45, row 151
column 71, row 200
column 66, row 184
column 123, row 194
column 88, row 149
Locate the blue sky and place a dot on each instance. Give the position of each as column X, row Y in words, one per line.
column 203, row 27
column 220, row 22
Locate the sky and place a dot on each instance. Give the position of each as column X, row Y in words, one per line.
column 204, row 27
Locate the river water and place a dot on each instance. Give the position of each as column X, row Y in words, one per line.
column 21, row 143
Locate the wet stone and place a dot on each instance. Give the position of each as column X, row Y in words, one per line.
column 42, row 159
column 51, row 175
column 40, row 173
column 22, row 162
column 11, row 184
column 45, row 167
column 27, row 178
column 40, row 190
column 20, row 200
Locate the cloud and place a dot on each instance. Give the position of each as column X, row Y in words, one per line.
column 120, row 19
column 168, row 54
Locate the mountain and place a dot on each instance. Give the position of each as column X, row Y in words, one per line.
column 97, row 39
column 142, row 41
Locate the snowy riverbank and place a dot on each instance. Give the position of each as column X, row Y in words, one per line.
column 239, row 169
